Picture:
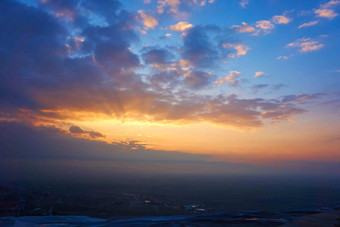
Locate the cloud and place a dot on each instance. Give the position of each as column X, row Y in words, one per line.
column 92, row 134
column 157, row 55
column 272, row 87
column 197, row 79
column 259, row 74
column 148, row 21
column 326, row 10
column 44, row 81
column 330, row 4
column 98, row 52
column 181, row 26
column 203, row 47
column 231, row 78
column 326, row 13
column 173, row 6
column 281, row 19
column 76, row 129
column 241, row 49
column 244, row 3
column 282, row 113
column 282, row 58
column 49, row 143
column 302, row 98
column 243, row 28
column 26, row 150
column 306, row 45
column 226, row 111
column 199, row 48
column 264, row 25
column 308, row 24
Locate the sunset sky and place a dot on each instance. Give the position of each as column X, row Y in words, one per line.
column 241, row 81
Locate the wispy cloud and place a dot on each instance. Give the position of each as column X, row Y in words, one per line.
column 330, row 4
column 243, row 28
column 271, row 87
column 244, row 3
column 308, row 24
column 301, row 98
column 306, row 45
column 231, row 78
column 282, row 58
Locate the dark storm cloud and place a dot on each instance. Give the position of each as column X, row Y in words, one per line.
column 35, row 61
column 31, row 44
column 197, row 79
column 34, row 55
column 198, row 47
column 157, row 55
column 77, row 130
column 169, row 79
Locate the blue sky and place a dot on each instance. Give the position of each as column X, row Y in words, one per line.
column 309, row 72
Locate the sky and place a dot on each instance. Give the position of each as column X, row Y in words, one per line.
column 200, row 81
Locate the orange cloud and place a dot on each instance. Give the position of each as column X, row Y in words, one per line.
column 231, row 78
column 181, row 26
column 241, row 49
column 258, row 74
column 265, row 25
column 243, row 28
column 326, row 10
column 306, row 45
column 281, row 20
column 172, row 5
column 327, row 13
column 148, row 21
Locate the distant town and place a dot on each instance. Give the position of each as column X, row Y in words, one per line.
column 22, row 200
